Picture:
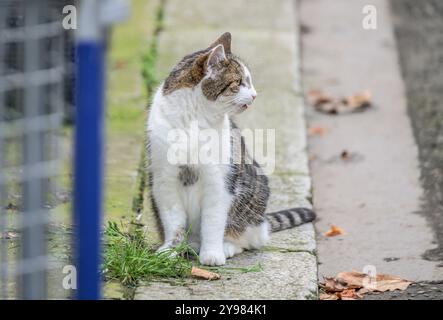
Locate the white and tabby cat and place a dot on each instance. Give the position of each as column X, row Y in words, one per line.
column 223, row 204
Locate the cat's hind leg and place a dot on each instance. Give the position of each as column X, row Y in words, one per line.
column 254, row 237
column 231, row 249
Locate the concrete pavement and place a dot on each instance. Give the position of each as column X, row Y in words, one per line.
column 375, row 196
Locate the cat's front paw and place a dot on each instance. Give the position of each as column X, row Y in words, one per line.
column 212, row 258
column 164, row 247
column 167, row 247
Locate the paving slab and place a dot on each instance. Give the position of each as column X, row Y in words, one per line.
column 274, row 282
column 267, row 39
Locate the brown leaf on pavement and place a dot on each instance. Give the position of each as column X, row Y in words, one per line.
column 385, row 282
column 204, row 274
column 317, row 97
column 352, row 285
column 332, row 285
column 348, row 294
column 334, row 231
column 345, row 155
column 317, row 130
column 327, row 104
column 328, row 296
column 381, row 283
column 322, row 102
column 352, row 279
column 359, row 101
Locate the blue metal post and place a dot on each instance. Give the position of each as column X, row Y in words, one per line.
column 89, row 141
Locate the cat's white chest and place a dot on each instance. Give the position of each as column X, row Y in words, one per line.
column 194, row 197
column 190, row 159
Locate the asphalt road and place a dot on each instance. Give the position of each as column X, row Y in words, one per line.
column 416, row 291
column 418, row 27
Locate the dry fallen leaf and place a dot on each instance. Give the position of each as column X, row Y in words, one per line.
column 348, row 156
column 328, row 296
column 381, row 282
column 316, row 97
column 317, row 130
column 352, row 285
column 348, row 294
column 328, row 104
column 204, row 274
column 322, row 102
column 385, row 282
column 334, row 231
column 352, row 279
column 345, row 155
column 332, row 285
column 358, row 101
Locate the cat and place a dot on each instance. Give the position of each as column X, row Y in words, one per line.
column 223, row 205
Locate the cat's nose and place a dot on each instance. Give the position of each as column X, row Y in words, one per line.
column 253, row 97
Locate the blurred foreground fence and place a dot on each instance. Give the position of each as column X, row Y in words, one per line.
column 37, row 91
column 35, row 68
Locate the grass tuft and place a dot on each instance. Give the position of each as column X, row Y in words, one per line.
column 129, row 258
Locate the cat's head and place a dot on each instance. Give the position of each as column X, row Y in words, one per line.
column 217, row 75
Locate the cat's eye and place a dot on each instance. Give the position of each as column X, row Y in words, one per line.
column 235, row 83
column 246, row 82
column 234, row 86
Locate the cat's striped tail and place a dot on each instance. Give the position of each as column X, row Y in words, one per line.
column 289, row 218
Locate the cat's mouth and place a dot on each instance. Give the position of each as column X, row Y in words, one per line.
column 242, row 107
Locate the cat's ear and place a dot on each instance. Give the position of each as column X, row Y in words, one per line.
column 216, row 56
column 225, row 40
